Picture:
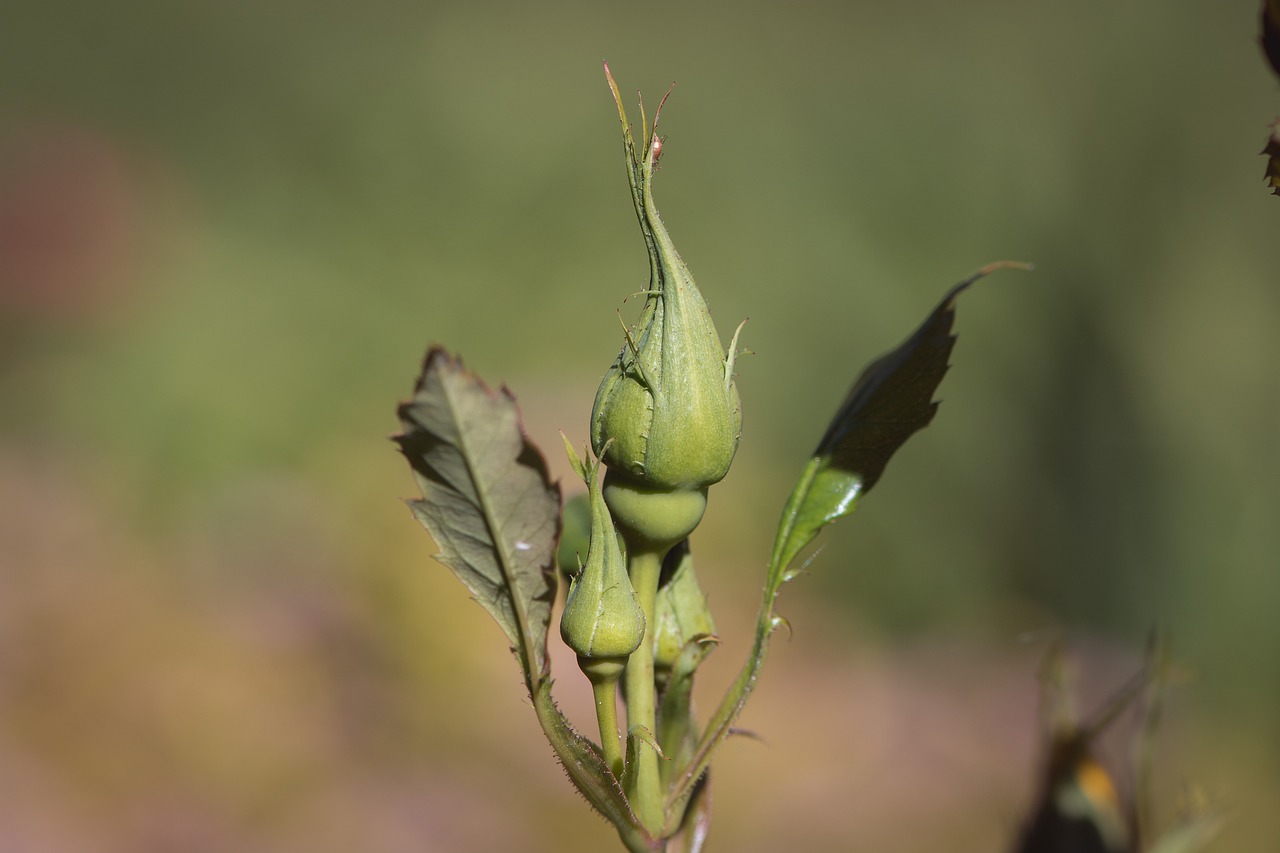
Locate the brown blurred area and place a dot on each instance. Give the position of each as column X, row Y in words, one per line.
column 228, row 233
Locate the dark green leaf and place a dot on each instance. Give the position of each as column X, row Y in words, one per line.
column 893, row 398
column 1270, row 25
column 890, row 401
column 486, row 500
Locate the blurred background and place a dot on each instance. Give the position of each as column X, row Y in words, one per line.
column 229, row 231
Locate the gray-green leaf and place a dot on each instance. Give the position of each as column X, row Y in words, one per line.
column 486, row 500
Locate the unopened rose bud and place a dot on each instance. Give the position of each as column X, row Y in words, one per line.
column 666, row 418
column 668, row 403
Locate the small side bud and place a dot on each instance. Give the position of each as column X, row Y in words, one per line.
column 681, row 615
column 602, row 619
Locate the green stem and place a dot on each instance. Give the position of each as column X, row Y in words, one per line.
column 605, row 692
column 644, row 790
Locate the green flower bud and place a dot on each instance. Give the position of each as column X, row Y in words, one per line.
column 681, row 615
column 602, row 619
column 667, row 414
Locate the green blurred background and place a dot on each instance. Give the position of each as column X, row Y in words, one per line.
column 228, row 232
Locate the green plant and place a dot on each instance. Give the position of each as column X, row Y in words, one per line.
column 665, row 426
column 1079, row 808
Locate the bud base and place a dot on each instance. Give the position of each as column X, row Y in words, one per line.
column 653, row 519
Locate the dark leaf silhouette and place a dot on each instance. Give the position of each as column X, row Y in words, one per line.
column 890, row 402
column 1270, row 25
column 893, row 398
